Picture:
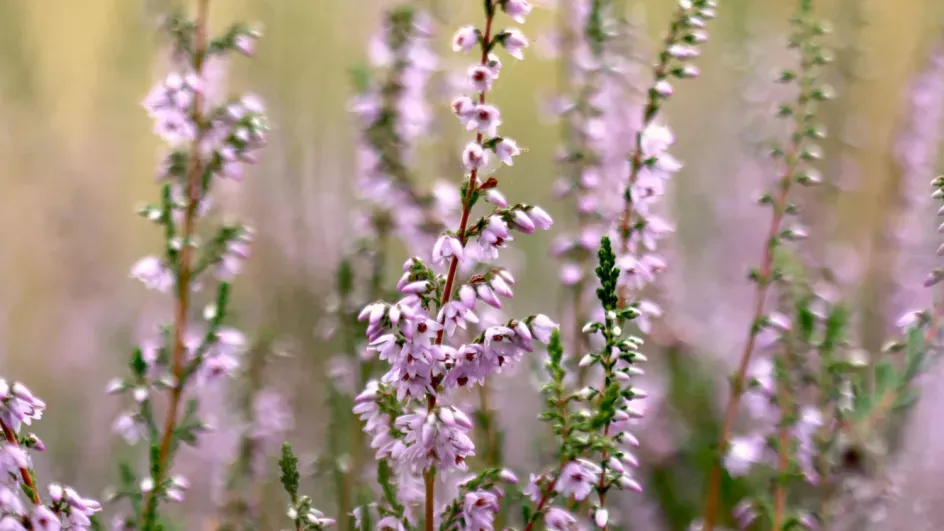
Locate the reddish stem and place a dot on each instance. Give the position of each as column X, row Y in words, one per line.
column 429, row 475
column 184, row 272
column 649, row 113
column 24, row 472
column 740, row 377
column 546, row 496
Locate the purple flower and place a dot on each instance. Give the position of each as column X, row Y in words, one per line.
column 522, row 222
column 542, row 327
column 484, row 120
column 506, row 149
column 496, row 198
column 153, row 273
column 578, row 479
column 514, row 41
column 465, row 39
column 743, row 453
column 474, row 157
column 540, row 218
column 456, row 314
column 479, row 509
column 481, row 78
column 517, row 9
column 43, row 519
column 463, row 107
column 446, row 248
column 557, row 519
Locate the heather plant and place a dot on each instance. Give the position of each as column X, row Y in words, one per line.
column 419, row 435
column 413, row 435
column 22, row 502
column 208, row 141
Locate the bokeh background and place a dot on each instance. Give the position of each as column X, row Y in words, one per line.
column 77, row 154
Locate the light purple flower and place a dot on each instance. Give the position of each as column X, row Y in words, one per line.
column 507, row 149
column 578, row 479
column 153, row 273
column 481, row 78
column 474, row 157
column 465, row 39
column 485, row 120
column 557, row 519
column 514, row 42
column 517, row 9
column 446, row 248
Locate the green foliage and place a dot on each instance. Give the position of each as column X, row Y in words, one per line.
column 608, row 274
column 288, row 465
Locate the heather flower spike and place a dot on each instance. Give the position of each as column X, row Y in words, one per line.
column 651, row 165
column 768, row 329
column 596, row 447
column 21, row 501
column 408, row 413
column 207, row 140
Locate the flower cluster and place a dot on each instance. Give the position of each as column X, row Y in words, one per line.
column 207, row 140
column 651, row 166
column 600, row 120
column 408, row 413
column 394, row 117
column 65, row 508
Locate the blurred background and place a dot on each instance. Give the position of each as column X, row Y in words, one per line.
column 77, row 155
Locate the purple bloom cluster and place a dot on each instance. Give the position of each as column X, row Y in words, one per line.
column 66, row 509
column 209, row 138
column 408, row 413
column 394, row 116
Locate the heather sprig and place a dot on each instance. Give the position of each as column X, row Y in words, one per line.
column 208, row 140
column 800, row 150
column 427, row 436
column 797, row 399
column 64, row 507
column 595, row 439
column 650, row 164
column 598, row 117
column 301, row 512
column 394, row 115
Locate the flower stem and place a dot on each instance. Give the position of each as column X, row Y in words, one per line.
column 430, row 474
column 546, row 497
column 649, row 113
column 764, row 281
column 783, row 461
column 430, row 478
column 182, row 302
column 24, row 472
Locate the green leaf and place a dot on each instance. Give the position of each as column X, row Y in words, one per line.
column 885, row 377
